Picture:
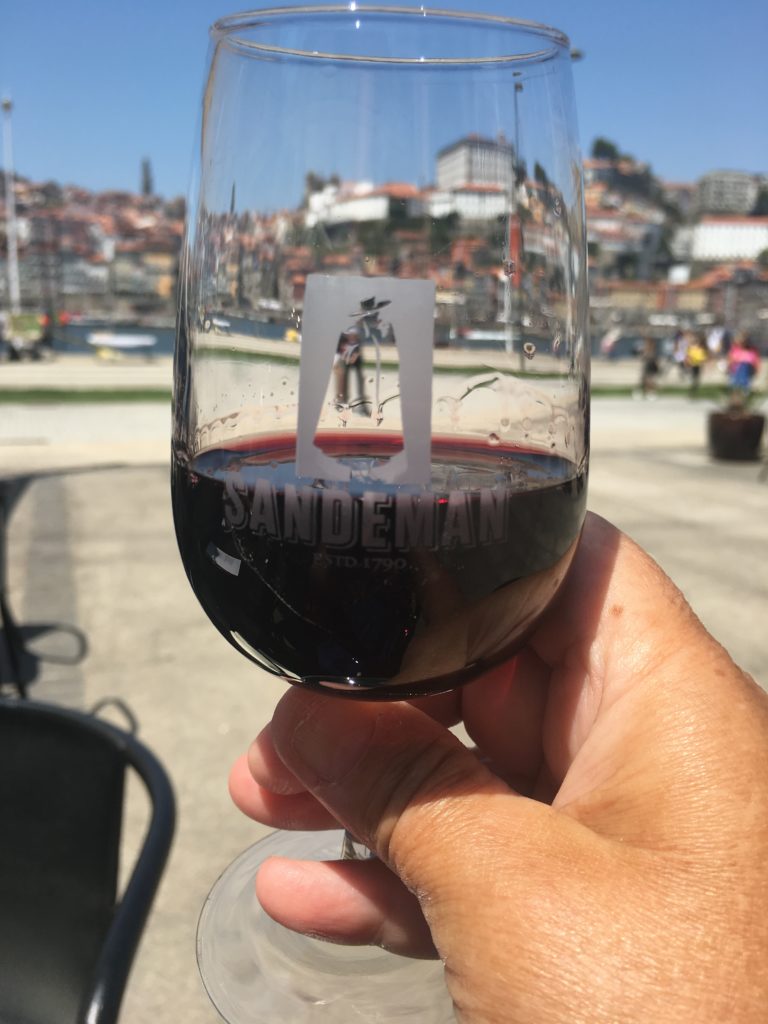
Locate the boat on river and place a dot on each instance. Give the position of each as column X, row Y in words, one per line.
column 111, row 343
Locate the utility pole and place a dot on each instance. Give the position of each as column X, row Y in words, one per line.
column 14, row 289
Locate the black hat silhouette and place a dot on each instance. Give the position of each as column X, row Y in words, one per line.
column 370, row 306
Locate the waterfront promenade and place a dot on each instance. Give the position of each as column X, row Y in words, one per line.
column 94, row 547
column 154, row 373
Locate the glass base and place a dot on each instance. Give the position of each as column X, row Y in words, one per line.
column 257, row 972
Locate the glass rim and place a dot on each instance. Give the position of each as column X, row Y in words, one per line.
column 226, row 30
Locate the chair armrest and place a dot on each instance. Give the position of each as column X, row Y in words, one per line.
column 102, row 1004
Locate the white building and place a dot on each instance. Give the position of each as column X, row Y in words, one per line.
column 719, row 239
column 358, row 209
column 470, row 202
column 360, row 203
column 476, row 161
column 727, row 192
column 321, row 205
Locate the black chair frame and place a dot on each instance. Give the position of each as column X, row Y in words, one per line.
column 102, row 993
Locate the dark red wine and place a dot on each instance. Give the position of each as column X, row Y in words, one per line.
column 374, row 589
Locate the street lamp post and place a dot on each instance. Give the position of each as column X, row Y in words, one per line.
column 515, row 240
column 516, row 236
column 14, row 290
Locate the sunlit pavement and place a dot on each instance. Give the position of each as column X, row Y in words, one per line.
column 95, row 548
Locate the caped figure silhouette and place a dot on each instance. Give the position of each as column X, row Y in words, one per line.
column 326, row 351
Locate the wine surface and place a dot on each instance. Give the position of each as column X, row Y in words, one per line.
column 374, row 589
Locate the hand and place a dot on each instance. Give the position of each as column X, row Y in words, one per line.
column 601, row 857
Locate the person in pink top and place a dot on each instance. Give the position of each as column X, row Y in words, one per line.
column 743, row 362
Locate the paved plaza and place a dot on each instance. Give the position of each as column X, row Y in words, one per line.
column 91, row 543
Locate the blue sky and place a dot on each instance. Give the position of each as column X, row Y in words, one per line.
column 97, row 86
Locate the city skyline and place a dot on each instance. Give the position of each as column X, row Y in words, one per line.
column 92, row 115
column 102, row 250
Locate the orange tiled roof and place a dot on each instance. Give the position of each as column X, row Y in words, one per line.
column 634, row 286
column 725, row 218
column 479, row 186
column 396, row 190
column 719, row 275
column 337, row 259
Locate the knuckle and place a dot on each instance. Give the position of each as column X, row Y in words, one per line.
column 420, row 798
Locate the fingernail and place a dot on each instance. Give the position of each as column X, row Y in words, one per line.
column 327, row 737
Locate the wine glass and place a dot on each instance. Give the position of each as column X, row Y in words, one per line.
column 381, row 388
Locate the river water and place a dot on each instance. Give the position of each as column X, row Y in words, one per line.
column 74, row 337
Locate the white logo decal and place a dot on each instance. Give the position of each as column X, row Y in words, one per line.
column 344, row 318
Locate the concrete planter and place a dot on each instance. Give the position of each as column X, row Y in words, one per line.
column 735, row 435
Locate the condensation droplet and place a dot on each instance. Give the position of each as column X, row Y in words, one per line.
column 529, row 349
column 509, row 267
column 284, row 382
column 493, row 440
column 527, row 424
column 505, row 421
column 557, row 206
column 556, row 341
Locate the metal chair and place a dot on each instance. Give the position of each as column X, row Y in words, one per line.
column 67, row 940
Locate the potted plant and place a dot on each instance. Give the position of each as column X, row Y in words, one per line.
column 736, row 431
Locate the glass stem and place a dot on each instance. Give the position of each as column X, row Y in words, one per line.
column 351, row 849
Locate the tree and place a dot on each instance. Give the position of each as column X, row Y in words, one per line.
column 147, row 184
column 604, row 149
column 312, row 183
column 442, row 232
column 540, row 174
column 762, row 259
column 374, row 237
column 760, row 208
column 52, row 194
